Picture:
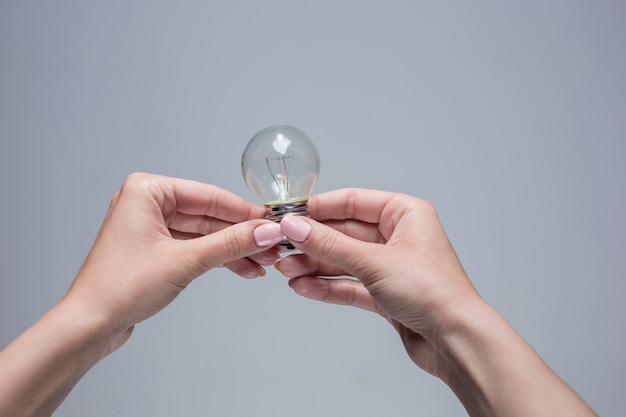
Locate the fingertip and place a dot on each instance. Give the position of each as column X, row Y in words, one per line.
column 246, row 268
column 268, row 234
column 291, row 283
column 266, row 258
column 253, row 273
column 278, row 265
column 295, row 228
column 288, row 266
column 299, row 288
column 309, row 287
column 334, row 291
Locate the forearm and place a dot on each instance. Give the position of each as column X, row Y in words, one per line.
column 494, row 372
column 41, row 366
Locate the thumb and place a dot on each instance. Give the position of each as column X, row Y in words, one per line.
column 234, row 242
column 329, row 245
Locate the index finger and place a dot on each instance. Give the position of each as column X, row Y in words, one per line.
column 350, row 203
column 197, row 198
column 367, row 232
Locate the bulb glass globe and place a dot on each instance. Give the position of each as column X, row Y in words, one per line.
column 280, row 165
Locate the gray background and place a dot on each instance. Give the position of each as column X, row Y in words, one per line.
column 511, row 118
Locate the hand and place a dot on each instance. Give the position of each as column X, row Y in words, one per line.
column 161, row 233
column 408, row 272
column 395, row 245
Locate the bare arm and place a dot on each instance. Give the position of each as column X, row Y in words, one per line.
column 407, row 271
column 159, row 235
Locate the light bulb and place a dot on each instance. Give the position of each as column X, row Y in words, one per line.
column 280, row 165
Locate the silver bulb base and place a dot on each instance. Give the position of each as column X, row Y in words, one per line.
column 276, row 212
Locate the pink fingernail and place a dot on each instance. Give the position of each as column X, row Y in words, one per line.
column 268, row 234
column 295, row 228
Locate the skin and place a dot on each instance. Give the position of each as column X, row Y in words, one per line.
column 159, row 235
column 401, row 265
column 383, row 252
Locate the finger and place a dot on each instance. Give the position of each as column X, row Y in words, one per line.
column 335, row 291
column 368, row 232
column 238, row 241
column 199, row 225
column 384, row 209
column 196, row 224
column 186, row 196
column 301, row 264
column 328, row 245
column 185, row 226
column 252, row 266
column 267, row 257
column 246, row 268
column 349, row 203
column 198, row 198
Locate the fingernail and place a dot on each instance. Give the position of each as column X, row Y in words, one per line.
column 295, row 228
column 268, row 234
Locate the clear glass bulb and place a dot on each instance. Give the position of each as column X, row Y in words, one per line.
column 280, row 165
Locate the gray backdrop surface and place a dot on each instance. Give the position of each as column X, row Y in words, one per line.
column 510, row 118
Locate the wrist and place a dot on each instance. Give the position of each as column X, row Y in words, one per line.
column 42, row 365
column 93, row 328
column 472, row 345
column 494, row 371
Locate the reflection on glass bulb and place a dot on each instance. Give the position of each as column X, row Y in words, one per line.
column 280, row 165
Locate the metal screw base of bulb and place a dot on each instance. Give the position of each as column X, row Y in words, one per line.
column 275, row 213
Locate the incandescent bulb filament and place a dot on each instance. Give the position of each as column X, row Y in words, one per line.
column 280, row 165
column 279, row 170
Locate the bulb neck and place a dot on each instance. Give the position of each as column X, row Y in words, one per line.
column 276, row 212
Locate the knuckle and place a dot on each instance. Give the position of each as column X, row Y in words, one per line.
column 326, row 245
column 404, row 204
column 350, row 295
column 233, row 243
column 421, row 205
column 427, row 207
column 137, row 182
column 134, row 179
column 350, row 203
column 213, row 201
